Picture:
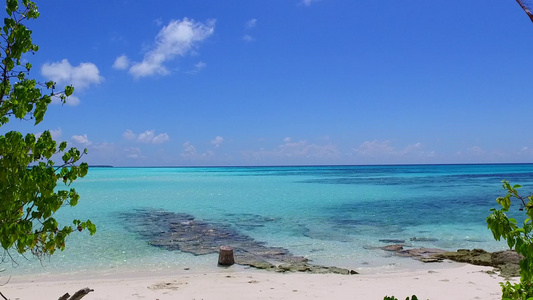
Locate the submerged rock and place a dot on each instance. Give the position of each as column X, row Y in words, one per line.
column 423, row 239
column 422, row 254
column 248, row 221
column 394, row 241
column 393, row 248
column 178, row 231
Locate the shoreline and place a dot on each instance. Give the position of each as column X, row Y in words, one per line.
column 449, row 281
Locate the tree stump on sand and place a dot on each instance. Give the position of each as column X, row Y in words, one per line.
column 225, row 257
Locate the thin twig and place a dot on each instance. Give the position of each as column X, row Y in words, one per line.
column 526, row 9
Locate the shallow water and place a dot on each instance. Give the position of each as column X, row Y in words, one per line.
column 332, row 215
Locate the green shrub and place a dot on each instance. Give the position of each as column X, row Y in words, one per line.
column 518, row 238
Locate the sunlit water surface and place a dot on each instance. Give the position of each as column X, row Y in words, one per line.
column 333, row 215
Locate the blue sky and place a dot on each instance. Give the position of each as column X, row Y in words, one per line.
column 284, row 82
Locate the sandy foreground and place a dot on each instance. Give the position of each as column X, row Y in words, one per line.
column 456, row 282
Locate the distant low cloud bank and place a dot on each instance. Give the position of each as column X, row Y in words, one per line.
column 147, row 137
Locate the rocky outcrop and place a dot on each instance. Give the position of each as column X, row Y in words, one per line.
column 178, row 231
column 478, row 257
column 505, row 262
column 506, row 257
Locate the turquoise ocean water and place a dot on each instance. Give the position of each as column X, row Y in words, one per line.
column 334, row 215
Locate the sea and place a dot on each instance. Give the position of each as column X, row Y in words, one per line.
column 333, row 215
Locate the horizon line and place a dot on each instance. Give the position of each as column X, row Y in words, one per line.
column 311, row 165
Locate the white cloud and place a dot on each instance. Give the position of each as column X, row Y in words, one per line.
column 296, row 152
column 111, row 154
column 160, row 138
column 384, row 152
column 147, row 137
column 71, row 100
column 375, row 148
column 217, row 141
column 56, row 133
column 105, row 147
column 308, row 2
column 81, row 76
column 248, row 38
column 81, row 139
column 478, row 154
column 525, row 153
column 189, row 153
column 176, row 39
column 304, row 149
column 133, row 152
column 198, row 67
column 129, row 135
column 476, row 150
column 121, row 63
column 188, row 149
column 251, row 23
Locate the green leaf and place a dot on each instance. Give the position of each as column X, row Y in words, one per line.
column 69, row 90
column 11, row 6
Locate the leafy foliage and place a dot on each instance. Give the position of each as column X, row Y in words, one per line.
column 517, row 291
column 518, row 238
column 29, row 196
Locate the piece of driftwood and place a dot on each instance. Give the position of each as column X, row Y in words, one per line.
column 77, row 296
column 225, row 257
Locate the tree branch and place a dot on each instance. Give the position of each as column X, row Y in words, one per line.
column 3, row 296
column 526, row 9
column 77, row 296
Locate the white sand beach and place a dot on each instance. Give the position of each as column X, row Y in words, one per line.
column 459, row 281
